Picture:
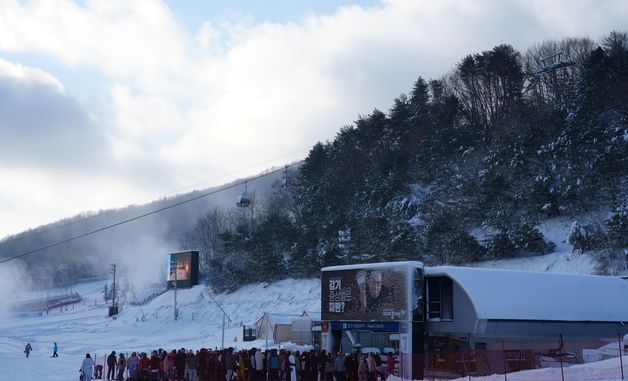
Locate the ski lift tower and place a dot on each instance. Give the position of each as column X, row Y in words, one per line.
column 553, row 63
column 550, row 65
column 113, row 310
column 286, row 180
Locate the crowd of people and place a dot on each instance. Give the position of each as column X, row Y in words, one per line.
column 245, row 365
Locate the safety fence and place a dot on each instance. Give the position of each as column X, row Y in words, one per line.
column 586, row 360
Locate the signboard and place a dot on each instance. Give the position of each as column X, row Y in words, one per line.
column 182, row 269
column 368, row 294
column 405, row 351
column 365, row 326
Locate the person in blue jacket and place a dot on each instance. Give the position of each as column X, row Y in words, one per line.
column 55, row 349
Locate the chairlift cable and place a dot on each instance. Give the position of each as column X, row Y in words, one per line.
column 219, row 306
column 173, row 192
column 59, row 243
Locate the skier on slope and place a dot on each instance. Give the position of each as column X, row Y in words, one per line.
column 28, row 349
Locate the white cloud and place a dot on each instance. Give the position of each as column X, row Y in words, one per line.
column 150, row 119
column 10, row 70
column 138, row 41
column 40, row 125
column 32, row 197
column 189, row 105
column 580, row 17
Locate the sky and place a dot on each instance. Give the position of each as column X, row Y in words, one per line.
column 106, row 103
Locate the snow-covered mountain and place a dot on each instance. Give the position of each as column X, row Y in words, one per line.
column 152, row 229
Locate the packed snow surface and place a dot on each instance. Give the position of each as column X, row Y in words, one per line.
column 85, row 328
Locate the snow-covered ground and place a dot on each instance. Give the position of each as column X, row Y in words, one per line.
column 562, row 260
column 607, row 370
column 85, row 327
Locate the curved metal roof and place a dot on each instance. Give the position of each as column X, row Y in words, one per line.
column 519, row 295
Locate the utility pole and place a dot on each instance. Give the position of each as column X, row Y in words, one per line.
column 113, row 291
column 222, row 343
column 113, row 310
column 176, row 269
column 266, row 329
column 224, row 316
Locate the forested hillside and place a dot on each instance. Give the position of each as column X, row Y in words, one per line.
column 462, row 168
column 63, row 252
column 503, row 142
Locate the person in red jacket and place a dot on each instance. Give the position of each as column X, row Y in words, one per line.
column 390, row 363
column 144, row 366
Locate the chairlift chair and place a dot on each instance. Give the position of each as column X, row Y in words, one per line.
column 285, row 179
column 288, row 181
column 244, row 200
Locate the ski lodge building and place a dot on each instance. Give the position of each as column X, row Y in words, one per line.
column 467, row 320
column 277, row 327
column 486, row 303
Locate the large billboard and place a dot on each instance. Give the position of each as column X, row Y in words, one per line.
column 372, row 293
column 182, row 269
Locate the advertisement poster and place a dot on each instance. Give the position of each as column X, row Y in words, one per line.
column 180, row 265
column 375, row 294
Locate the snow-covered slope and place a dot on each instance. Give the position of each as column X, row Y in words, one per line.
column 562, row 260
column 85, row 327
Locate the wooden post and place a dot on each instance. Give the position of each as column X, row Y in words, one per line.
column 621, row 354
column 560, row 356
column 464, row 362
column 433, row 364
column 505, row 362
column 400, row 362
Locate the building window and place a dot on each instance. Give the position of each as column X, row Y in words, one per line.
column 440, row 298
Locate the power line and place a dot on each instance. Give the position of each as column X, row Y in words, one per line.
column 219, row 306
column 144, row 215
column 238, row 170
column 176, row 191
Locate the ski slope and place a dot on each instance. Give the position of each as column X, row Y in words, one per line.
column 85, row 327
